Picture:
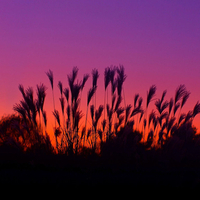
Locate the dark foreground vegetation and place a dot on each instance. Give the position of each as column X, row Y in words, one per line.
column 118, row 145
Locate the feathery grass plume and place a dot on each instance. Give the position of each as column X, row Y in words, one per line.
column 161, row 117
column 181, row 118
column 164, row 106
column 106, row 83
column 88, row 133
column 71, row 78
column 89, row 97
column 141, row 115
column 41, row 94
column 152, row 116
column 57, row 116
column 75, row 91
column 185, row 98
column 60, row 86
column 167, row 118
column 62, row 103
column 108, row 109
column 112, row 74
column 170, row 124
column 45, row 117
column 163, row 95
column 68, row 110
column 26, row 108
column 140, row 102
column 120, row 79
column 95, row 76
column 106, row 77
column 119, row 86
column 135, row 99
column 31, row 104
column 119, row 100
column 83, row 132
column 20, row 110
column 34, row 115
column 90, row 94
column 144, row 124
column 189, row 116
column 109, row 112
column 68, row 125
column 155, row 123
column 180, row 91
column 121, row 73
column 196, row 109
column 174, row 129
column 98, row 113
column 176, row 106
column 66, row 93
column 78, row 116
column 57, row 132
column 103, row 123
column 109, row 129
column 135, row 111
column 75, row 107
column 116, row 126
column 119, row 111
column 158, row 105
column 114, row 85
column 121, row 118
column 21, row 89
column 29, row 95
column 150, row 94
column 127, row 112
column 74, row 73
column 160, row 139
column 113, row 101
column 150, row 135
column 85, row 78
column 161, row 107
column 37, row 106
column 92, row 112
column 163, row 126
column 171, row 103
column 48, row 141
column 50, row 76
column 100, row 133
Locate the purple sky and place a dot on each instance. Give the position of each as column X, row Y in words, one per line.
column 157, row 41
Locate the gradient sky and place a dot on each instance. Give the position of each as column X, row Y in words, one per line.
column 158, row 42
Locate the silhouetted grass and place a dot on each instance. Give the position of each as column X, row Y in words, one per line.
column 128, row 141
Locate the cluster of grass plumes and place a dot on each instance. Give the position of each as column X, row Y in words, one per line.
column 114, row 124
column 31, row 122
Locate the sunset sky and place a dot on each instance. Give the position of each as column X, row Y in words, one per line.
column 158, row 42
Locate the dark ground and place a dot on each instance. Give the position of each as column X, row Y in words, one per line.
column 61, row 170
